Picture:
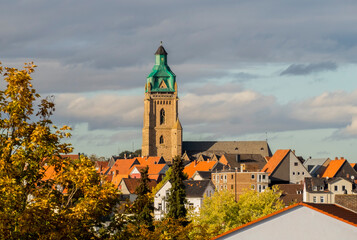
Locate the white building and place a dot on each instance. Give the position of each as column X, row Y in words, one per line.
column 195, row 191
column 300, row 221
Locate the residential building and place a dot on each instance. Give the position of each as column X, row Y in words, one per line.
column 285, row 167
column 299, row 221
column 202, row 175
column 239, row 182
column 322, row 190
column 246, row 162
column 195, row 192
column 291, row 193
column 127, row 187
column 155, row 172
column 194, row 166
column 316, row 166
column 339, row 168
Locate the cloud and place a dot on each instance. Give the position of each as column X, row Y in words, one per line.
column 103, row 111
column 305, row 69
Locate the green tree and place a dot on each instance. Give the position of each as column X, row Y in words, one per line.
column 221, row 213
column 218, row 214
column 177, row 197
column 143, row 208
column 33, row 205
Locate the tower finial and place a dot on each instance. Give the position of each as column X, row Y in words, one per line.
column 160, row 43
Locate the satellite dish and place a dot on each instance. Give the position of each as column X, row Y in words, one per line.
column 352, row 177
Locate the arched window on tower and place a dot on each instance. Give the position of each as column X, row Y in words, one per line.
column 162, row 116
column 161, row 139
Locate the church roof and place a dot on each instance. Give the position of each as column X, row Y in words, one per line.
column 225, row 147
column 161, row 51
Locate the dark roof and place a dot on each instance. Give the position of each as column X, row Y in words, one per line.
column 161, row 51
column 253, row 162
column 133, row 183
column 291, row 193
column 205, row 174
column 337, row 211
column 226, row 147
column 196, row 188
column 312, row 182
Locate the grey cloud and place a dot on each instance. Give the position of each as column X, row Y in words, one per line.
column 305, row 69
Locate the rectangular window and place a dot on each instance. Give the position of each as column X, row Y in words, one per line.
column 232, row 176
column 293, row 173
column 314, row 199
column 159, row 207
column 336, row 188
column 214, row 177
column 190, row 205
column 322, row 199
column 295, row 163
column 343, row 188
column 167, row 193
column 263, row 177
column 231, row 186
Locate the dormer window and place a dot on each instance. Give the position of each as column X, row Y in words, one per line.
column 315, row 188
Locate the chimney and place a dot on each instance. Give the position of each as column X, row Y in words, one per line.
column 236, row 169
column 336, row 158
column 124, row 155
column 195, row 162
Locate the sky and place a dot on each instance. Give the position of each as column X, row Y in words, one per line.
column 279, row 70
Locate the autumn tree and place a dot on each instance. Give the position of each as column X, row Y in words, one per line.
column 177, row 197
column 42, row 194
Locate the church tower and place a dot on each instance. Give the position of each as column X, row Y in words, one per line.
column 162, row 131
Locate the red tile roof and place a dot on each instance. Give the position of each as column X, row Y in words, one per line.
column 194, row 166
column 333, row 168
column 331, row 210
column 275, row 160
column 133, row 183
column 148, row 160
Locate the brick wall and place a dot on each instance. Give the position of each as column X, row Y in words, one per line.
column 347, row 201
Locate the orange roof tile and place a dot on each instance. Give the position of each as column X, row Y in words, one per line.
column 275, row 160
column 148, row 160
column 123, row 166
column 154, row 169
column 117, row 178
column 353, row 165
column 198, row 166
column 333, row 168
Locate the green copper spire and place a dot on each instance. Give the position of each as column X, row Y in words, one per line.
column 161, row 78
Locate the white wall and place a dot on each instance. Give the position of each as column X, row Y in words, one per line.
column 296, row 224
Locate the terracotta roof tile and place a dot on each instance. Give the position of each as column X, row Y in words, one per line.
column 133, row 183
column 275, row 160
column 333, row 168
column 191, row 168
